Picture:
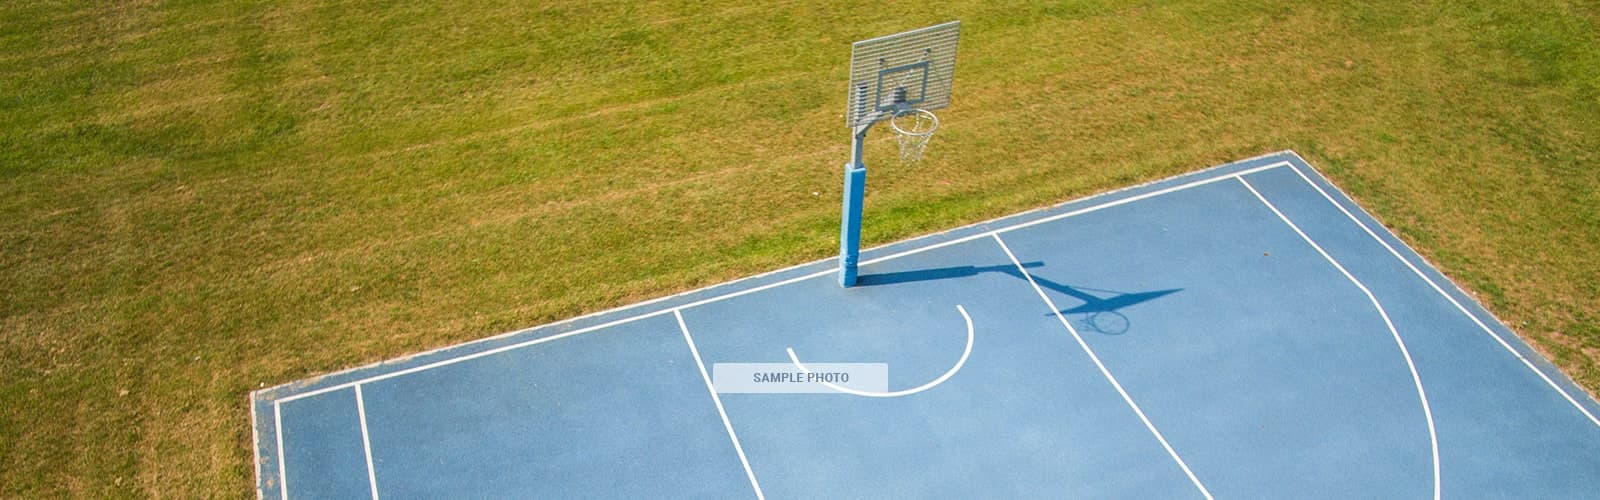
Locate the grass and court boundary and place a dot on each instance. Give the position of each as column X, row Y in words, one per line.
column 269, row 401
column 202, row 200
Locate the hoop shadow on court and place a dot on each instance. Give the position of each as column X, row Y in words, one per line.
column 1100, row 308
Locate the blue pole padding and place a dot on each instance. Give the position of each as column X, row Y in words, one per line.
column 855, row 184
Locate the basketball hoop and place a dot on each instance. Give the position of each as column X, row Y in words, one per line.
column 915, row 127
column 899, row 78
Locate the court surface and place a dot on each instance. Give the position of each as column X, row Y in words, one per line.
column 1241, row 331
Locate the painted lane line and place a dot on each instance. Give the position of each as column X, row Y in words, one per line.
column 1427, row 412
column 366, row 442
column 283, row 473
column 1496, row 336
column 726, row 424
column 895, row 394
column 1103, row 371
column 818, row 274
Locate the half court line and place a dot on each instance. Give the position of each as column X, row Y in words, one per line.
column 1525, row 361
column 1103, row 371
column 1427, row 412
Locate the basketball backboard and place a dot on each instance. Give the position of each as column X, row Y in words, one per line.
column 913, row 69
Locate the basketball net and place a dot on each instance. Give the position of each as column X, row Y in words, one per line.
column 913, row 128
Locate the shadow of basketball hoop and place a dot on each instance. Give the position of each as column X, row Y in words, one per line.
column 1100, row 311
column 1107, row 323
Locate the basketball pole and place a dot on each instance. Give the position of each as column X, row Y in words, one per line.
column 855, row 187
column 855, row 190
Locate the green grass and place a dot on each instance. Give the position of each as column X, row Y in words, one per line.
column 199, row 198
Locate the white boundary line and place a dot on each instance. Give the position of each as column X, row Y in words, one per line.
column 768, row 286
column 1452, row 299
column 1151, row 194
column 475, row 355
column 255, row 440
column 283, row 474
column 718, row 401
column 366, row 442
column 907, row 392
column 1427, row 412
column 1103, row 371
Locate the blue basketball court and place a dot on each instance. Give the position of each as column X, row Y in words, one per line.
column 1242, row 331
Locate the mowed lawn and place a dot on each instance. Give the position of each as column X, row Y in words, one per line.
column 198, row 199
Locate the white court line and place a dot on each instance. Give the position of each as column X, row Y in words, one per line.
column 1103, row 371
column 1433, row 438
column 789, row 281
column 895, row 394
column 475, row 355
column 718, row 401
column 366, row 443
column 255, row 439
column 1453, row 301
column 283, row 474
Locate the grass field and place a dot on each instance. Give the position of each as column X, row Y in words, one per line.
column 201, row 198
